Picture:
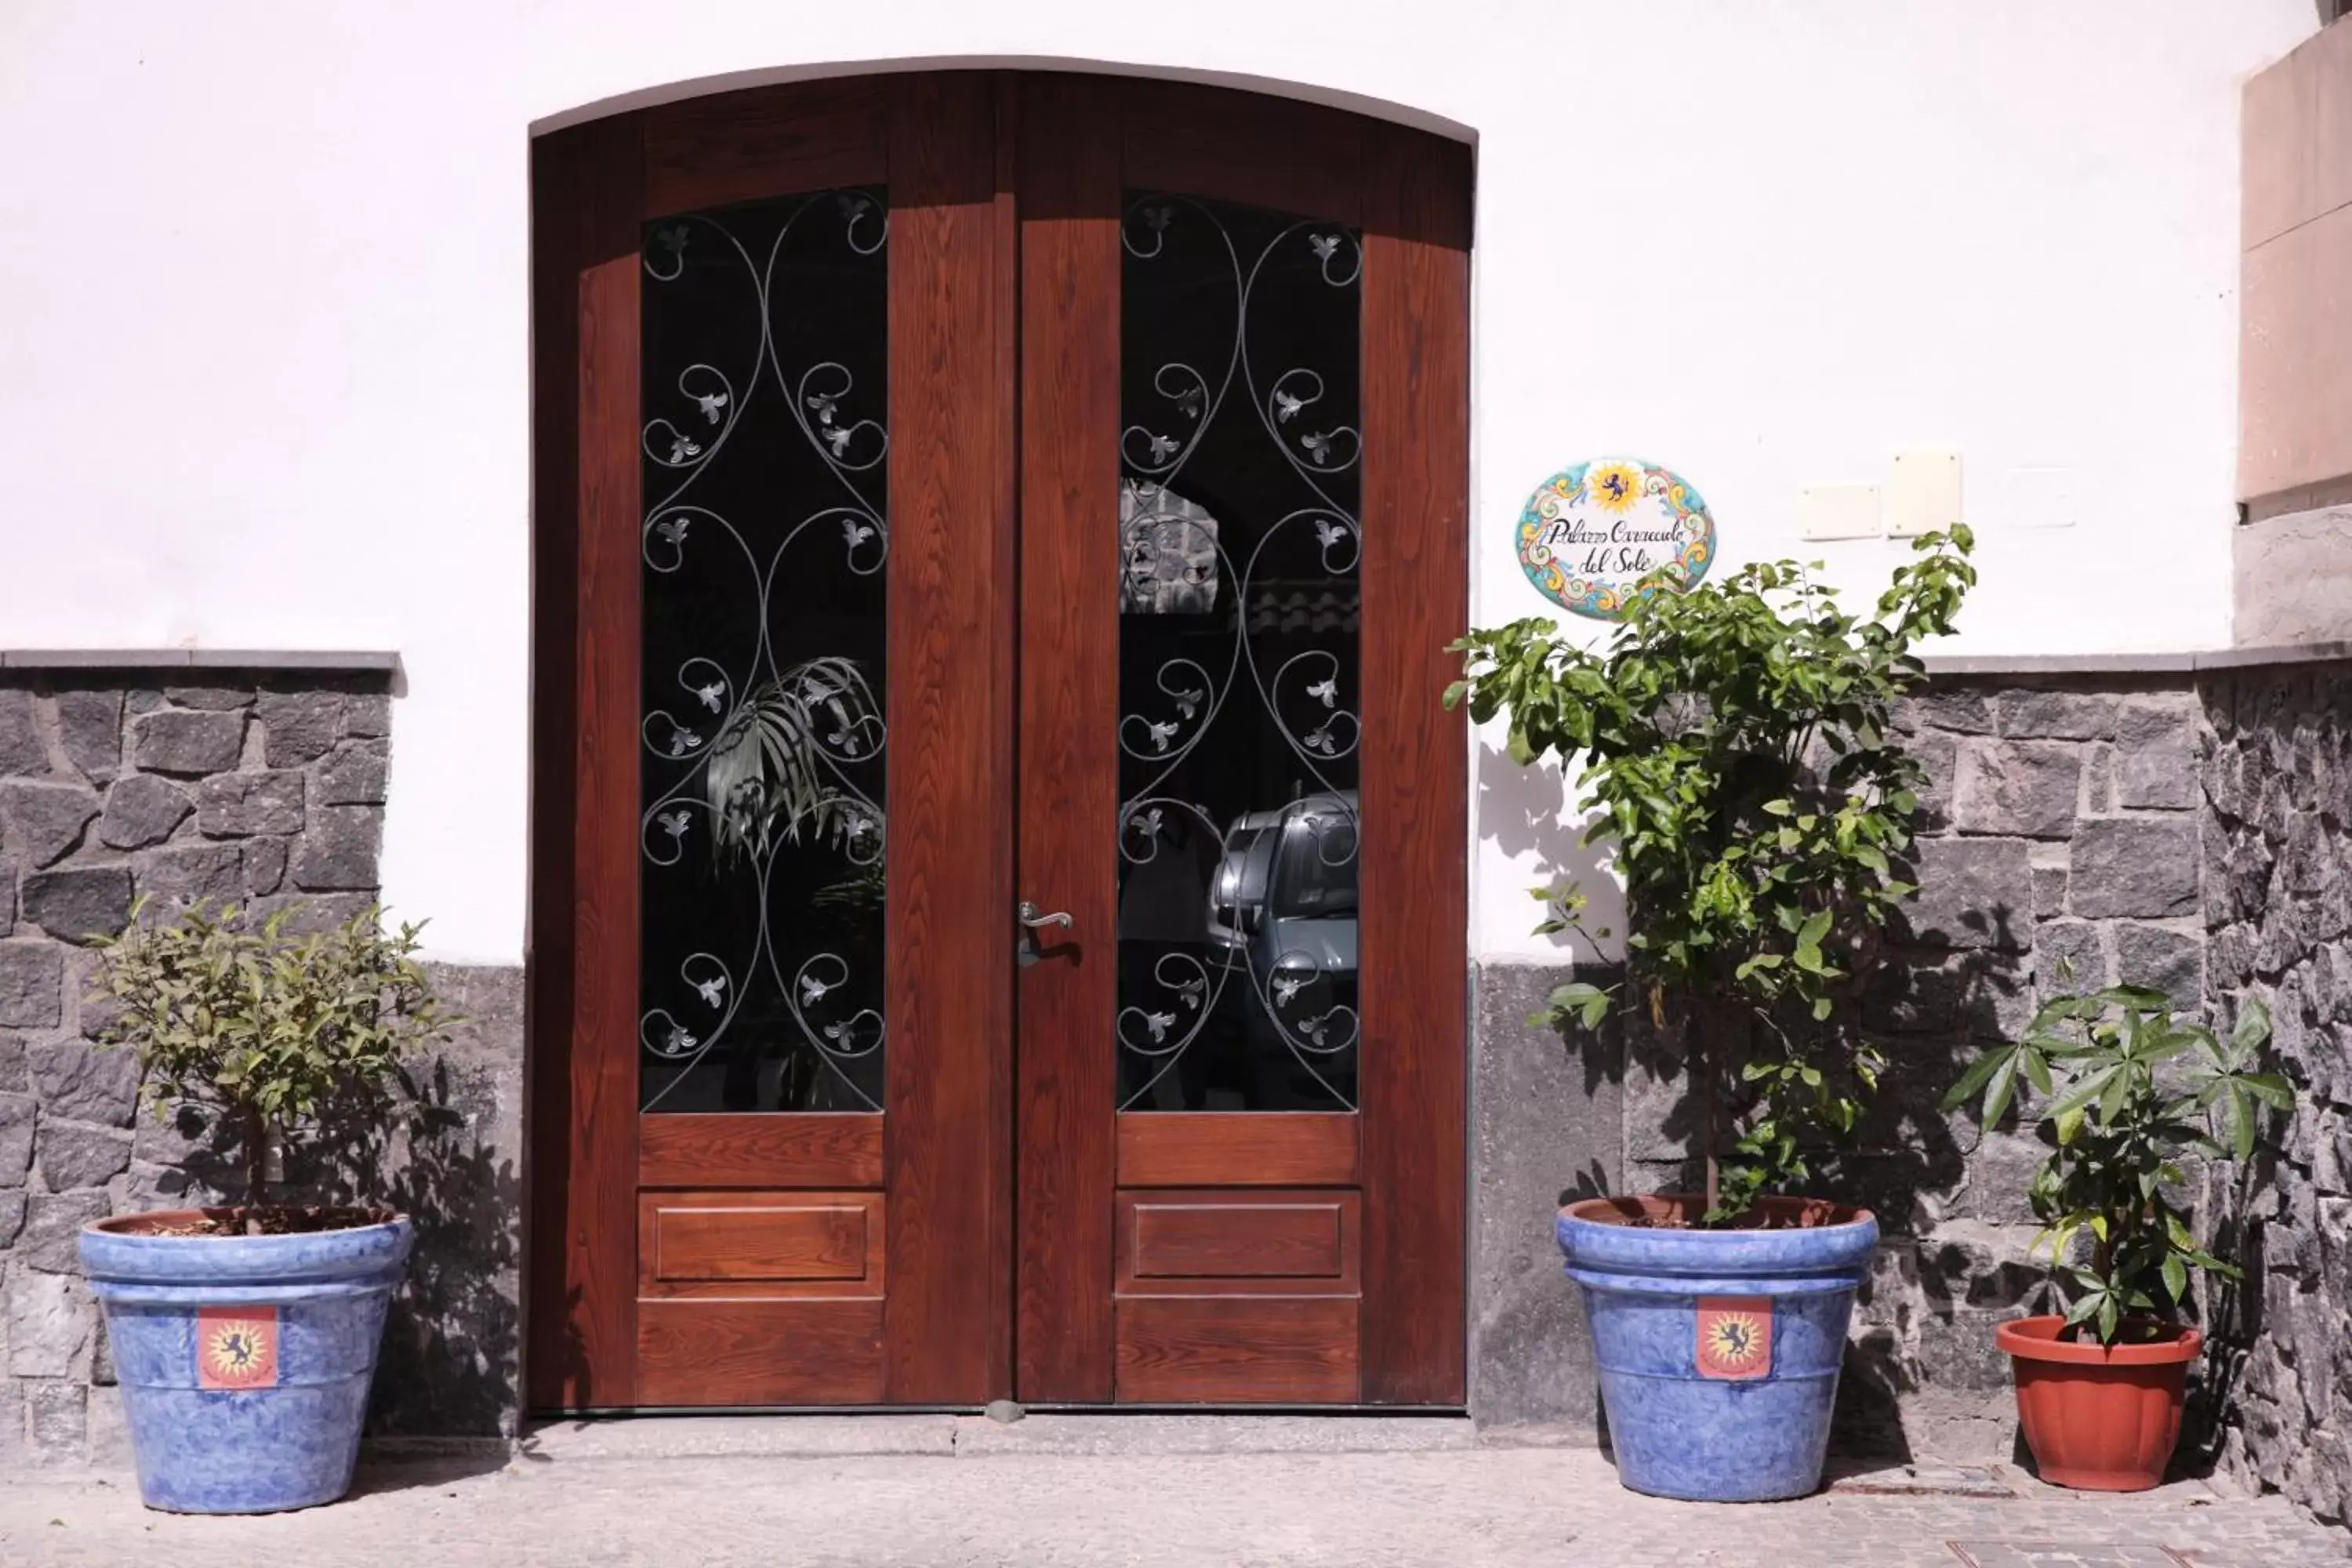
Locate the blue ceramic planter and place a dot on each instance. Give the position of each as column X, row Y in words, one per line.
column 1718, row 1350
column 244, row 1361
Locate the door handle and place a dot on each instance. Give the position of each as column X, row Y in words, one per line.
column 1028, row 916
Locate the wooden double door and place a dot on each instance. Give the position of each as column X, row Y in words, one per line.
column 999, row 855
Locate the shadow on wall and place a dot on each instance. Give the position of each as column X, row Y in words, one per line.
column 1524, row 812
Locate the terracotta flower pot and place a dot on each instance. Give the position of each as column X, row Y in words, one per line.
column 2099, row 1418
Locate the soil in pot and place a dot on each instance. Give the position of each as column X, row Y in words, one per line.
column 2100, row 1417
column 249, row 1219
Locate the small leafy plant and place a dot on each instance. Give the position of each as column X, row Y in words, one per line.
column 771, row 771
column 1739, row 742
column 2090, row 1062
column 268, row 1030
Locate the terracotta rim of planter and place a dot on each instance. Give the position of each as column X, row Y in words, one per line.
column 2036, row 1339
column 1784, row 1213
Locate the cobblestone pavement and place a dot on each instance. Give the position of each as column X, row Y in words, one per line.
column 1089, row 1505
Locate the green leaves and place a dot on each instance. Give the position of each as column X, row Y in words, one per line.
column 1735, row 743
column 273, row 1029
column 2094, row 1061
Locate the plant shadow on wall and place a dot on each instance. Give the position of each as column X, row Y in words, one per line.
column 1759, row 804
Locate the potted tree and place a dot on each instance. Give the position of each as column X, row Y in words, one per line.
column 2121, row 1089
column 1738, row 743
column 245, row 1337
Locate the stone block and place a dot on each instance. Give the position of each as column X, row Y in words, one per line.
column 2156, row 753
column 2000, row 1175
column 236, row 804
column 84, row 1082
column 337, row 852
column 1938, row 755
column 7, row 895
column 140, row 810
column 77, row 903
column 12, row 1077
column 2135, row 868
column 1982, row 993
column 1961, row 710
column 2049, row 861
column 75, row 1154
column 312, row 911
column 1959, row 1352
column 32, row 985
column 197, row 873
column 22, row 751
column 89, row 723
column 299, row 726
column 367, row 714
column 53, row 1222
column 194, row 743
column 352, row 775
column 2082, row 944
column 41, row 822
column 214, row 697
column 2057, row 715
column 11, row 1216
column 1973, row 893
column 20, row 1117
column 108, row 1430
column 56, row 1422
column 50, row 1318
column 264, row 866
column 2171, row 962
column 2016, row 788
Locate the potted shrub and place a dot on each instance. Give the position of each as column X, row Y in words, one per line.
column 245, row 1337
column 1737, row 740
column 2121, row 1089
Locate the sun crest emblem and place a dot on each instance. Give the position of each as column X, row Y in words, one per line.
column 237, row 1347
column 1735, row 1336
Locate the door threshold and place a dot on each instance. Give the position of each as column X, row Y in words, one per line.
column 963, row 1432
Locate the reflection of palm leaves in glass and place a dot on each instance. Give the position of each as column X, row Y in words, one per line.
column 773, row 771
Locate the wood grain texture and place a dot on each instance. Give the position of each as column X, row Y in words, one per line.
column 692, row 1353
column 779, row 1244
column 597, row 1205
column 1239, row 1149
column 1218, row 1349
column 1415, row 777
column 948, row 991
column 763, row 141
column 766, row 1149
column 1297, row 1243
column 1069, row 697
column 1244, row 147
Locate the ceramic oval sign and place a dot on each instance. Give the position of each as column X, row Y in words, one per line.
column 1590, row 534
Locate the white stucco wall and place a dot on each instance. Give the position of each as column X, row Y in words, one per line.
column 264, row 307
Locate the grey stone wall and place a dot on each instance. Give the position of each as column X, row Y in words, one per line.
column 2278, row 907
column 2145, row 828
column 267, row 789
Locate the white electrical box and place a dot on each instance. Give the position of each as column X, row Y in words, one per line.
column 1923, row 493
column 1838, row 512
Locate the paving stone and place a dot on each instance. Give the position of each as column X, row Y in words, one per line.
column 141, row 810
column 299, row 725
column 76, row 902
column 75, row 1154
column 236, row 804
column 172, row 742
column 84, row 1082
column 43, row 822
column 49, row 1321
column 2135, row 867
column 179, row 878
column 1973, row 893
column 89, row 723
column 2057, row 715
column 338, row 850
column 21, row 750
column 2016, row 788
column 32, row 985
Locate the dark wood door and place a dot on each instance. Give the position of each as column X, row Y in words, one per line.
column 852, row 486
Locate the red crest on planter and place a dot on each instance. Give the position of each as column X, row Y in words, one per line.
column 1735, row 1336
column 237, row 1347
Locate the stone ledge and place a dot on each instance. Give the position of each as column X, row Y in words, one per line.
column 353, row 660
column 2137, row 663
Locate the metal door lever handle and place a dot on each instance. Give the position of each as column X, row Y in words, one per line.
column 1028, row 916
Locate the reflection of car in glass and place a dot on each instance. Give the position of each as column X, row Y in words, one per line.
column 1282, row 921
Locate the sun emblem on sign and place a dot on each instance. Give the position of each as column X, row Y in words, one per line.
column 236, row 1349
column 1614, row 486
column 1735, row 1341
column 1735, row 1337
